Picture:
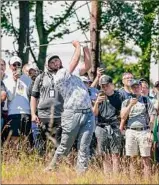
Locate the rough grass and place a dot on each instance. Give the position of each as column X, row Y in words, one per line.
column 25, row 168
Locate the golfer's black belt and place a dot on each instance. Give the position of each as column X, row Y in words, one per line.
column 139, row 129
column 84, row 111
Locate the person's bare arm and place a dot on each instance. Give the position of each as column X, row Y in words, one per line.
column 33, row 106
column 87, row 61
column 35, row 94
column 126, row 110
column 3, row 96
column 96, row 80
column 99, row 100
column 76, row 56
column 152, row 114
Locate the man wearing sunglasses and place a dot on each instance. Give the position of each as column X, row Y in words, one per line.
column 125, row 91
column 17, row 86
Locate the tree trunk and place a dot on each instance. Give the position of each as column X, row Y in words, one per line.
column 42, row 34
column 95, row 36
column 42, row 53
column 23, row 30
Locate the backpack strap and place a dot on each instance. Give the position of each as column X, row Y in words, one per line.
column 146, row 106
column 120, row 91
column 128, row 114
column 128, row 102
column 41, row 79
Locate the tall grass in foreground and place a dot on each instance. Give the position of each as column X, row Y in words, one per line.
column 27, row 168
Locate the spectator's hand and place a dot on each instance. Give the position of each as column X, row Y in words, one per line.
column 35, row 119
column 75, row 43
column 121, row 128
column 154, row 146
column 99, row 72
column 133, row 101
column 1, row 73
column 15, row 76
column 100, row 98
column 150, row 137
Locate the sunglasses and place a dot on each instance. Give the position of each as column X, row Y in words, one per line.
column 17, row 64
column 127, row 78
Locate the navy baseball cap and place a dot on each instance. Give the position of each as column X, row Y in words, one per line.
column 156, row 84
column 105, row 79
column 134, row 82
column 143, row 80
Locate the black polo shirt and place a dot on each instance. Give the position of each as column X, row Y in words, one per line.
column 109, row 109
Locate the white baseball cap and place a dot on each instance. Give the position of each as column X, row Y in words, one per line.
column 15, row 59
column 33, row 66
column 85, row 79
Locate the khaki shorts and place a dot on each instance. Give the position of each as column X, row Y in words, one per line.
column 137, row 143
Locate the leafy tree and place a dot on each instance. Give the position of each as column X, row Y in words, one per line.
column 116, row 61
column 7, row 25
column 21, row 34
column 133, row 21
column 44, row 33
column 31, row 17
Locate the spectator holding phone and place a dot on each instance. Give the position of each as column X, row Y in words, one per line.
column 107, row 109
column 17, row 87
column 139, row 114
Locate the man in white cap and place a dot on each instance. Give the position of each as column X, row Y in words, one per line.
column 17, row 86
column 33, row 71
column 92, row 90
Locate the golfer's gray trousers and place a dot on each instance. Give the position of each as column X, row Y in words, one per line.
column 78, row 124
